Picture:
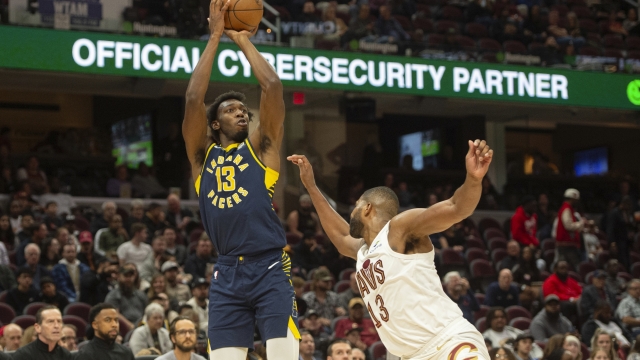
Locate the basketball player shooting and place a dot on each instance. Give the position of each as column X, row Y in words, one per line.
column 395, row 267
column 235, row 176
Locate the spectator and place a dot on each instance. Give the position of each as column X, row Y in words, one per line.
column 11, row 335
column 317, row 326
column 129, row 301
column 614, row 284
column 135, row 250
column 145, row 184
column 567, row 228
column 50, row 295
column 68, row 272
column 114, row 236
column 307, row 346
column 32, row 256
column 356, row 320
column 357, row 354
column 28, row 336
column 503, row 292
column 177, row 291
column 136, row 214
column 196, row 264
column 51, row 254
column 298, row 288
column 184, row 336
column 615, row 26
column 65, row 202
column 549, row 321
column 22, row 295
column 38, row 234
column 353, row 336
column 307, row 254
column 157, row 286
column 26, row 222
column 389, row 29
column 321, row 299
column 565, row 287
column 15, row 216
column 33, row 175
column 48, row 328
column 629, row 308
column 604, row 340
column 524, row 223
column 359, row 27
column 178, row 251
column 527, row 274
column 154, row 260
column 545, row 216
column 69, row 339
column 458, row 289
column 498, row 332
column 151, row 334
column 7, row 237
column 87, row 256
column 103, row 319
column 95, row 285
column 308, row 13
column 200, row 301
column 178, row 217
column 51, row 218
column 513, row 256
column 600, row 354
column 329, row 17
column 304, row 220
column 595, row 293
column 522, row 346
column 634, row 354
column 102, row 222
column 562, row 36
column 7, row 278
column 620, row 229
column 501, row 352
column 169, row 315
column 119, row 186
column 154, row 220
column 339, row 349
column 352, row 292
column 572, row 345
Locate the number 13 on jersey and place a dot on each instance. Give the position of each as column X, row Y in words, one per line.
column 384, row 314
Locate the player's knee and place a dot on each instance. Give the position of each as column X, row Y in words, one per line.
column 283, row 348
column 229, row 353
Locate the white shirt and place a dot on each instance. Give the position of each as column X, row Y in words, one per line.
column 129, row 253
column 203, row 314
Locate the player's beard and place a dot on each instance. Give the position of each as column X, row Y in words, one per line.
column 106, row 337
column 356, row 226
column 186, row 348
column 239, row 136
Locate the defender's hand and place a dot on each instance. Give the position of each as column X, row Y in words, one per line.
column 306, row 171
column 478, row 159
column 217, row 9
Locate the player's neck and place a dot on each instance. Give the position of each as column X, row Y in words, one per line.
column 370, row 232
column 225, row 142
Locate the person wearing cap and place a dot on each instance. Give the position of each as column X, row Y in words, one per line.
column 368, row 333
column 621, row 229
column 50, row 295
column 87, row 254
column 603, row 319
column 353, row 336
column 549, row 321
column 200, row 301
column 567, row 229
column 196, row 264
column 19, row 297
column 317, row 326
column 595, row 293
column 32, row 258
column 11, row 334
column 68, row 272
column 135, row 250
column 565, row 287
column 177, row 291
column 129, row 301
column 304, row 219
column 524, row 223
column 324, row 301
column 522, row 346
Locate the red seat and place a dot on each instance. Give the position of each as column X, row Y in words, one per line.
column 544, row 275
column 582, row 12
column 480, row 298
column 489, row 57
column 125, row 329
column 346, row 274
column 548, row 256
column 634, row 257
column 443, row 26
column 588, row 277
column 195, row 234
column 341, row 286
column 585, row 351
column 603, row 258
column 451, row 257
column 307, row 286
column 614, row 53
column 603, row 27
column 635, row 270
column 575, row 276
column 424, row 9
column 476, row 30
column 497, row 255
column 33, row 308
column 451, row 13
column 589, row 25
column 481, row 324
column 404, row 21
column 467, row 43
column 497, row 243
column 434, row 41
column 285, row 15
column 482, row 273
column 475, row 253
column 613, row 41
column 487, row 223
column 561, row 9
column 425, row 24
column 473, row 242
column 521, row 323
column 624, row 276
column 514, row 47
column 78, row 322
column 548, row 244
column 82, row 224
column 7, row 314
column 292, row 239
column 24, row 321
column 377, row 351
column 3, row 296
column 633, row 43
column 78, row 309
column 586, row 267
column 477, row 315
column 517, row 311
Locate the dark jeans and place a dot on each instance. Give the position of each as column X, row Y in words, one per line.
column 570, row 254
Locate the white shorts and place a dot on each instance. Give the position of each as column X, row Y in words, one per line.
column 465, row 345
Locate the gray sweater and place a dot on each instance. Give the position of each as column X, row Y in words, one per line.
column 543, row 328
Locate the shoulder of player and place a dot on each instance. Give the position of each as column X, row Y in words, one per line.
column 401, row 223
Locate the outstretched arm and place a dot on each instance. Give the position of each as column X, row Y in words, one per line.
column 334, row 225
column 421, row 222
column 194, row 126
column 267, row 138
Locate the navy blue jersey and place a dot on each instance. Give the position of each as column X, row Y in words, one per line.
column 235, row 190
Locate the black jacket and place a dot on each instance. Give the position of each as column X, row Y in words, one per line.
column 98, row 349
column 589, row 328
column 4, row 356
column 39, row 350
column 197, row 266
column 58, row 300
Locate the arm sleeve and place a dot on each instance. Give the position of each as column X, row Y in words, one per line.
column 137, row 341
column 537, row 331
column 567, row 221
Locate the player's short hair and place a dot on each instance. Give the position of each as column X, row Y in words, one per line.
column 172, row 326
column 137, row 227
column 153, row 206
column 212, row 110
column 297, row 281
column 336, row 341
column 43, row 309
column 492, row 313
column 384, row 200
column 93, row 313
column 449, row 275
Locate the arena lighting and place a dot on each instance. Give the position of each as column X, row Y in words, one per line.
column 298, row 98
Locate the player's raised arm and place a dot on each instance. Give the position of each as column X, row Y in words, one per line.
column 461, row 205
column 334, row 225
column 194, row 126
column 267, row 138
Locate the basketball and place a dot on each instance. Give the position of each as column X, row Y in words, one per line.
column 243, row 15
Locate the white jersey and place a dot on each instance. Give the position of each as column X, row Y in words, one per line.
column 405, row 298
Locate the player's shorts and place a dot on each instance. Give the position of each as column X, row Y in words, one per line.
column 247, row 291
column 465, row 344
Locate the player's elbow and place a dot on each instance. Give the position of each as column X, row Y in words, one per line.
column 272, row 84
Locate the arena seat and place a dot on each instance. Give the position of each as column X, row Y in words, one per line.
column 497, row 255
column 346, row 274
column 78, row 309
column 474, row 253
column 477, row 315
column 78, row 322
column 586, row 267
column 24, row 321
column 341, row 286
column 521, row 323
column 473, row 242
column 482, row 274
column 517, row 311
column 33, row 308
column 7, row 314
column 481, row 324
column 377, row 351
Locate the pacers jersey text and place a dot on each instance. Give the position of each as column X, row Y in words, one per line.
column 235, row 190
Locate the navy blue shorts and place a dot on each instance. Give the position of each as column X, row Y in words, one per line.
column 246, row 291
